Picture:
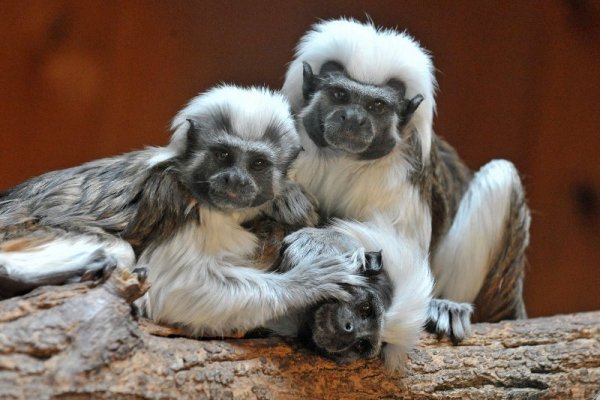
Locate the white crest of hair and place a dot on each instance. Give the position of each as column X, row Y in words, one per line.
column 250, row 109
column 371, row 56
column 463, row 257
column 360, row 190
column 407, row 265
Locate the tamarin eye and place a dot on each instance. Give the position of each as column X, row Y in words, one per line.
column 222, row 155
column 362, row 346
column 340, row 95
column 365, row 310
column 377, row 107
column 259, row 164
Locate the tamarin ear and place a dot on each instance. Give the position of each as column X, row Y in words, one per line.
column 309, row 84
column 412, row 106
column 373, row 263
column 192, row 134
column 311, row 81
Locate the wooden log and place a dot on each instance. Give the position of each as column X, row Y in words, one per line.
column 81, row 341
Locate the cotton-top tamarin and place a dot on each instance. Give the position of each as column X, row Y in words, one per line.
column 364, row 103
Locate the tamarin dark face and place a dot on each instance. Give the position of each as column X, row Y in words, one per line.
column 355, row 118
column 226, row 170
column 347, row 331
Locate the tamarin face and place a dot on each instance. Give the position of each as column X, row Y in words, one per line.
column 238, row 150
column 355, row 118
column 347, row 331
column 230, row 173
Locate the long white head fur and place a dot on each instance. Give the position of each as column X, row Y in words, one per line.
column 251, row 109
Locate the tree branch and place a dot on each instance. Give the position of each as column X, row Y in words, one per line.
column 81, row 341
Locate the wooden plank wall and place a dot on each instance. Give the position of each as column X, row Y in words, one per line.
column 520, row 80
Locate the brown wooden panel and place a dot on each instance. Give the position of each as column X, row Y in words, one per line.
column 565, row 175
column 130, row 65
column 54, row 84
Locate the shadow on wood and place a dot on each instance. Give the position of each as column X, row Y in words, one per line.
column 81, row 341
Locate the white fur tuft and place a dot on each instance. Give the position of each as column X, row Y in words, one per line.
column 372, row 56
column 251, row 111
column 408, row 267
column 159, row 155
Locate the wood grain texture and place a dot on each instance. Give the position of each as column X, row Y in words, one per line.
column 81, row 341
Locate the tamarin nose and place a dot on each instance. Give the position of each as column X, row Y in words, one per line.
column 348, row 326
column 352, row 117
column 234, row 180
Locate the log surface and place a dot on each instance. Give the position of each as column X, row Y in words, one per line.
column 81, row 341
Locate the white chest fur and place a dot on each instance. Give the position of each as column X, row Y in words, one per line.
column 217, row 236
column 347, row 188
column 193, row 257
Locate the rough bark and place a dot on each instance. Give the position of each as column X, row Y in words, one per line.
column 81, row 341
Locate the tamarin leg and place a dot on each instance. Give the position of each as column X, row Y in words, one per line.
column 501, row 296
column 481, row 257
column 48, row 257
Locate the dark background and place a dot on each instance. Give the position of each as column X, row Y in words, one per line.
column 519, row 80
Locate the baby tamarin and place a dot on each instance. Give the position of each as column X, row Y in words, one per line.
column 369, row 323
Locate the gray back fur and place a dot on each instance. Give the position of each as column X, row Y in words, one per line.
column 120, row 196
